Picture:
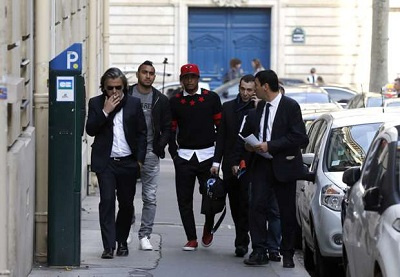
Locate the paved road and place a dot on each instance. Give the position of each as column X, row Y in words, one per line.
column 167, row 259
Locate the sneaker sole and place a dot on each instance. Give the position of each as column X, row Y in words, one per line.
column 145, row 249
column 206, row 245
column 189, row 248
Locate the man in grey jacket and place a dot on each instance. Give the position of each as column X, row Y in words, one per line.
column 157, row 113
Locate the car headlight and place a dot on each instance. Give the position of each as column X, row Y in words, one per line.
column 332, row 197
column 396, row 224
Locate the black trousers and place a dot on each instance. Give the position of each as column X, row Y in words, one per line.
column 186, row 173
column 264, row 216
column 238, row 194
column 118, row 179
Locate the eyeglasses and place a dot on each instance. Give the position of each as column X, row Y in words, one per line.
column 110, row 88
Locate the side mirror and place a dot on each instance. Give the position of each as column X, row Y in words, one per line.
column 308, row 175
column 351, row 176
column 372, row 199
column 308, row 158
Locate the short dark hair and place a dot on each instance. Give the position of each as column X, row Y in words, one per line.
column 146, row 62
column 113, row 73
column 397, row 79
column 247, row 78
column 268, row 77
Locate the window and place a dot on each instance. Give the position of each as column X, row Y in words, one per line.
column 347, row 146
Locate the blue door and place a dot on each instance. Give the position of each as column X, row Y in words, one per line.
column 217, row 34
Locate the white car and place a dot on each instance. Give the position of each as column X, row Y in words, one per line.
column 338, row 141
column 371, row 226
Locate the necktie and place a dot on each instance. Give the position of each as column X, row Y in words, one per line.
column 266, row 121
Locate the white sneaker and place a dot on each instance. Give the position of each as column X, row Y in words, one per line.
column 129, row 239
column 144, row 244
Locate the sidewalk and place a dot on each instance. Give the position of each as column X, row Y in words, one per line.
column 91, row 248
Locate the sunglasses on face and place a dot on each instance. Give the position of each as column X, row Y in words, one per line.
column 110, row 88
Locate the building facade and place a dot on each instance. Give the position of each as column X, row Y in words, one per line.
column 332, row 36
column 32, row 33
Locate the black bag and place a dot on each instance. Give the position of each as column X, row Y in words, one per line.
column 213, row 200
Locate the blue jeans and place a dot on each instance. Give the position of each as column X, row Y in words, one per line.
column 149, row 176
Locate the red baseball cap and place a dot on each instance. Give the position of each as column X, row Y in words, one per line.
column 190, row 68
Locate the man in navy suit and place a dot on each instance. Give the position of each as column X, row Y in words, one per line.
column 117, row 122
column 276, row 163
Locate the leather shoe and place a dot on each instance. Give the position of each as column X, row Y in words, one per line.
column 241, row 251
column 274, row 256
column 256, row 258
column 122, row 249
column 288, row 262
column 107, row 254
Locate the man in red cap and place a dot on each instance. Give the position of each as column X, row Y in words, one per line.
column 196, row 114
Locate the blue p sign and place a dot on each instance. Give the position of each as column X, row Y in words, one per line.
column 72, row 57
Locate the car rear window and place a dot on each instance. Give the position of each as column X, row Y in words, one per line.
column 347, row 146
column 304, row 98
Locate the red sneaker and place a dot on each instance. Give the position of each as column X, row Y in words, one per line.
column 207, row 238
column 191, row 245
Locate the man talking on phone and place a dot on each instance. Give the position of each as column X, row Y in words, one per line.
column 233, row 113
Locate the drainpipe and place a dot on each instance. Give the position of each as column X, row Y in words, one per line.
column 93, row 48
column 106, row 34
column 3, row 150
column 42, row 57
column 3, row 186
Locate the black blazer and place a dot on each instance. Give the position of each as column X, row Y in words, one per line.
column 101, row 127
column 288, row 136
column 232, row 115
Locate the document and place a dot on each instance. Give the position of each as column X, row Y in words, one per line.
column 252, row 140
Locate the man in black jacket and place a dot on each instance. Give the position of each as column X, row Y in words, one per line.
column 117, row 122
column 157, row 112
column 233, row 113
column 276, row 163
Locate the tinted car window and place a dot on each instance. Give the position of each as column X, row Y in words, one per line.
column 337, row 94
column 313, row 135
column 347, row 146
column 377, row 166
column 393, row 104
column 303, row 98
column 374, row 102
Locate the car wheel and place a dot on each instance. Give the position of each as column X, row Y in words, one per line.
column 323, row 266
column 307, row 256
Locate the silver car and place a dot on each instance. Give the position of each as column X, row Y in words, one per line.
column 338, row 141
column 371, row 226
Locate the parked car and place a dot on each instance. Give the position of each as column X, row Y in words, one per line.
column 371, row 223
column 291, row 81
column 172, row 87
column 366, row 100
column 338, row 141
column 312, row 99
column 230, row 89
column 391, row 102
column 340, row 94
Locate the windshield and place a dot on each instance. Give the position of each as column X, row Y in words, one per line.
column 348, row 146
column 307, row 97
column 374, row 102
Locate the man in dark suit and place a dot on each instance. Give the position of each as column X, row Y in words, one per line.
column 117, row 122
column 233, row 113
column 278, row 124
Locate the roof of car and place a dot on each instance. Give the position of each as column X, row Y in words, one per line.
column 363, row 115
column 304, row 89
